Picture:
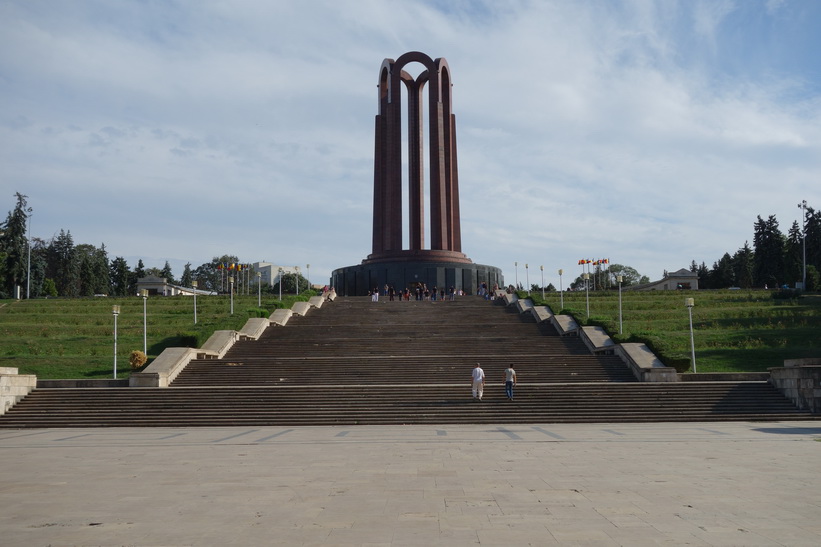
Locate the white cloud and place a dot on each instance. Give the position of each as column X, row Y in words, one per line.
column 584, row 129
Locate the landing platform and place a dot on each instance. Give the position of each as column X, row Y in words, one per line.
column 552, row 484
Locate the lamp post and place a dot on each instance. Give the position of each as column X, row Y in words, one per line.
column 115, row 311
column 308, row 277
column 541, row 268
column 144, row 294
column 280, row 284
column 586, row 277
column 527, row 279
column 194, row 285
column 259, row 289
column 802, row 206
column 689, row 302
column 231, row 290
column 561, row 290
column 28, row 268
column 516, row 265
column 619, row 279
column 296, row 275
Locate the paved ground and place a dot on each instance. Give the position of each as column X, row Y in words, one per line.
column 672, row 484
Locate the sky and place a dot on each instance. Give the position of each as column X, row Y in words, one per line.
column 649, row 133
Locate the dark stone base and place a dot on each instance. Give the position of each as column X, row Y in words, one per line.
column 402, row 274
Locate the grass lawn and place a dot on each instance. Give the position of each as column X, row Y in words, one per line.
column 74, row 338
column 734, row 331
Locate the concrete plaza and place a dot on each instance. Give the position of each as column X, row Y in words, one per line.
column 551, row 484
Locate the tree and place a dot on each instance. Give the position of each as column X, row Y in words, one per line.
column 187, row 276
column 768, row 246
column 722, row 275
column 812, row 219
column 212, row 276
column 62, row 265
column 629, row 275
column 166, row 273
column 794, row 255
column 743, row 266
column 119, row 274
column 14, row 246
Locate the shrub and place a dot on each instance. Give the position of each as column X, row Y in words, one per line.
column 258, row 312
column 137, row 359
column 787, row 294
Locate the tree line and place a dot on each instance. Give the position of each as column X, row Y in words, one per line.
column 60, row 268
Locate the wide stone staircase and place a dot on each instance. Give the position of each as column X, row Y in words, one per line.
column 354, row 361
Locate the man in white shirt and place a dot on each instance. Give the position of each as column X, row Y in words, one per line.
column 478, row 382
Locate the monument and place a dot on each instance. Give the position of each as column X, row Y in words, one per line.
column 442, row 264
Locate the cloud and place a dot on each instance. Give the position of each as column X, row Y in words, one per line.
column 632, row 130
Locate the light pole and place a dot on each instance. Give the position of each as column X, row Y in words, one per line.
column 280, row 284
column 259, row 289
column 115, row 311
column 516, row 265
column 802, row 206
column 586, row 277
column 296, row 275
column 689, row 302
column 561, row 290
column 231, row 290
column 527, row 279
column 542, row 270
column 144, row 294
column 308, row 267
column 194, row 285
column 28, row 274
column 619, row 279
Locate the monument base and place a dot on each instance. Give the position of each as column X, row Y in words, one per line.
column 402, row 273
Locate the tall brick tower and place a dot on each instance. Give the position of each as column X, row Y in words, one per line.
column 442, row 264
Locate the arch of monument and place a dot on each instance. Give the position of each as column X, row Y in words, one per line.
column 443, row 264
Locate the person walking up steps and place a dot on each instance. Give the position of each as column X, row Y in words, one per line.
column 478, row 382
column 510, row 381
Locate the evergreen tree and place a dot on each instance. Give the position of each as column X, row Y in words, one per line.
column 187, row 276
column 743, row 266
column 119, row 275
column 166, row 273
column 793, row 255
column 813, row 227
column 722, row 275
column 14, row 247
column 62, row 265
column 768, row 245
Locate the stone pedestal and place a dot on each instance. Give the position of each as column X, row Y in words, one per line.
column 800, row 381
column 466, row 277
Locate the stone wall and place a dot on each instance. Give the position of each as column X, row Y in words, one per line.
column 800, row 381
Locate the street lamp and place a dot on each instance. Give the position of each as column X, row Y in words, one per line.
column 231, row 290
column 194, row 285
column 308, row 267
column 115, row 311
column 144, row 294
column 516, row 265
column 689, row 302
column 542, row 270
column 586, row 277
column 259, row 289
column 280, row 284
column 561, row 290
column 296, row 275
column 802, row 206
column 619, row 279
column 527, row 279
column 28, row 274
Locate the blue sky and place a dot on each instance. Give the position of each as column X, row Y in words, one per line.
column 649, row 133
